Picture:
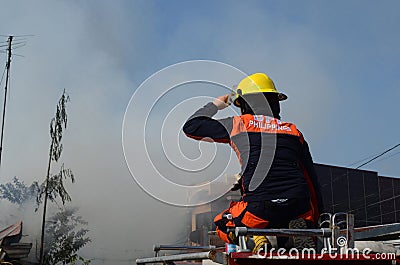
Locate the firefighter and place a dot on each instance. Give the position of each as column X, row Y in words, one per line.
column 278, row 181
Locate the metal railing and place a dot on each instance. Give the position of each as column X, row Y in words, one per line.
column 336, row 234
column 157, row 248
column 179, row 257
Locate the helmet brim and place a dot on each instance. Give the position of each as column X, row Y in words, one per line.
column 281, row 97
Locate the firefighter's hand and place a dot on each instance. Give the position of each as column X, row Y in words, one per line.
column 238, row 185
column 222, row 101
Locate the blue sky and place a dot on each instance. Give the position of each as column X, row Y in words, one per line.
column 337, row 61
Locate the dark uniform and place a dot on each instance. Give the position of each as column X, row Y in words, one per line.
column 275, row 157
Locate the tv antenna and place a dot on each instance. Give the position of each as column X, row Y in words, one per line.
column 9, row 46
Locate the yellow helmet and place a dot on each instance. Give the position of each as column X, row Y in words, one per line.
column 256, row 83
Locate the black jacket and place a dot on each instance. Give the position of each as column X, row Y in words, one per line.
column 275, row 159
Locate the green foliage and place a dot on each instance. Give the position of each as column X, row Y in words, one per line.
column 55, row 187
column 65, row 233
column 56, row 127
column 64, row 237
column 80, row 259
column 17, row 192
column 60, row 234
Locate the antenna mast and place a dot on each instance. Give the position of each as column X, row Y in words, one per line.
column 10, row 38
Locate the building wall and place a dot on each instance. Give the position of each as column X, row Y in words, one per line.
column 371, row 198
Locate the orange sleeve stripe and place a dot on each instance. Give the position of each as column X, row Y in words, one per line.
column 234, row 147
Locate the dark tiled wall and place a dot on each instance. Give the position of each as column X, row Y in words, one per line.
column 373, row 199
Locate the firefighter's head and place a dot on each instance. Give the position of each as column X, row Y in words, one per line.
column 255, row 92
